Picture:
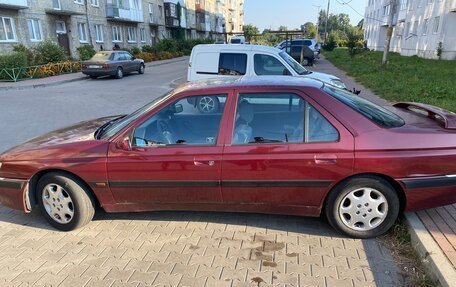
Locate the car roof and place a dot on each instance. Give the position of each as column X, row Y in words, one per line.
column 251, row 81
column 238, row 47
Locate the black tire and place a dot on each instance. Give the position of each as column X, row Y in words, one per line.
column 334, row 202
column 214, row 104
column 93, row 77
column 119, row 73
column 82, row 201
column 141, row 69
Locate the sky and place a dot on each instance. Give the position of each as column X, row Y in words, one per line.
column 267, row 14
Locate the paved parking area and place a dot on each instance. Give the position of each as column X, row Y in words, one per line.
column 165, row 248
column 188, row 249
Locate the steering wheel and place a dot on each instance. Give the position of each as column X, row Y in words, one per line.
column 165, row 130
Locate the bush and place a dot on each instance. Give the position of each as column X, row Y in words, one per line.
column 330, row 43
column 85, row 52
column 355, row 40
column 135, row 50
column 27, row 51
column 10, row 61
column 147, row 57
column 49, row 52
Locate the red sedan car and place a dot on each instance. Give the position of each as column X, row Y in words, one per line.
column 273, row 145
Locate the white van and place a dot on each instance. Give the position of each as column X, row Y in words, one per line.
column 227, row 61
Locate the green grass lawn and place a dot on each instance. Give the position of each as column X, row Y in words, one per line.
column 405, row 79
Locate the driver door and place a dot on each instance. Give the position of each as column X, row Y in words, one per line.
column 175, row 157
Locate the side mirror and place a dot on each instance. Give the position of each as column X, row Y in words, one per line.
column 178, row 108
column 124, row 144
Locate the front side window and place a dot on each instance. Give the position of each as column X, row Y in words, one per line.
column 298, row 68
column 279, row 118
column 7, row 32
column 232, row 64
column 182, row 123
column 268, row 65
column 34, row 27
column 375, row 113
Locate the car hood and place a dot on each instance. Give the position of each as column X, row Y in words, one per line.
column 326, row 78
column 83, row 131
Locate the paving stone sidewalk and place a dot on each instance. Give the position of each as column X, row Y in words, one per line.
column 188, row 249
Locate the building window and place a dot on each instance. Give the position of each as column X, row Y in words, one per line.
column 99, row 33
column 151, row 12
column 79, row 2
column 60, row 27
column 34, row 27
column 56, row 4
column 160, row 11
column 95, row 3
column 436, row 24
column 7, row 33
column 415, row 28
column 425, row 26
column 82, row 32
column 131, row 35
column 116, row 34
column 142, row 35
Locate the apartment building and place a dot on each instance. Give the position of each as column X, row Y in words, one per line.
column 105, row 23
column 419, row 27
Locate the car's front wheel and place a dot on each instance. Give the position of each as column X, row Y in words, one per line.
column 64, row 201
column 363, row 207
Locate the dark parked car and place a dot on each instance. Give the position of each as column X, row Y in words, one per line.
column 295, row 46
column 279, row 145
column 112, row 63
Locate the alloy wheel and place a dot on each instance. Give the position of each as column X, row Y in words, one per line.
column 363, row 209
column 58, row 203
column 207, row 104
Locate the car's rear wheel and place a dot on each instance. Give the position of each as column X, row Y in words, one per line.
column 363, row 207
column 141, row 69
column 64, row 201
column 119, row 73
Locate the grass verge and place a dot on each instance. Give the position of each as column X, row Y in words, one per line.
column 399, row 242
column 404, row 79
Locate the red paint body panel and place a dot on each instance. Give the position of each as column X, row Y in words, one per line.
column 244, row 177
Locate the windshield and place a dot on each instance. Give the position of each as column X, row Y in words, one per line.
column 120, row 124
column 375, row 113
column 101, row 56
column 298, row 68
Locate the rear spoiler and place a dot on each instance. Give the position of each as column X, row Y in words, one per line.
column 449, row 118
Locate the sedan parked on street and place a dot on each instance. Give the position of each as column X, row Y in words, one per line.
column 278, row 145
column 112, row 63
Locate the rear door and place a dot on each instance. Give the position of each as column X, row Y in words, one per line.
column 284, row 152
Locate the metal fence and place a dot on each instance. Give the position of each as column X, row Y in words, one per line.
column 40, row 71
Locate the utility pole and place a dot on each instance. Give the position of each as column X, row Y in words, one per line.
column 389, row 31
column 326, row 25
column 318, row 22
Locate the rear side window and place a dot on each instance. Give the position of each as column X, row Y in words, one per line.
column 232, row 64
column 375, row 113
column 268, row 65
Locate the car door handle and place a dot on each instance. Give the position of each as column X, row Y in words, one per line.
column 326, row 159
column 204, row 162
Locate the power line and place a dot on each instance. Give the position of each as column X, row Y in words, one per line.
column 341, row 2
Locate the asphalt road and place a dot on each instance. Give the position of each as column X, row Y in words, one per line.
column 25, row 114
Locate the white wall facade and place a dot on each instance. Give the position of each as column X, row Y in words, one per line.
column 419, row 27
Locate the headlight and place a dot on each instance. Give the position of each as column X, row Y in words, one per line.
column 338, row 83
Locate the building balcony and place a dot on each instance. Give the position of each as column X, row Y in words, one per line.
column 118, row 13
column 65, row 8
column 200, row 5
column 402, row 15
column 201, row 27
column 13, row 4
column 171, row 22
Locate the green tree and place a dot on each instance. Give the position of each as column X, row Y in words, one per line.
column 249, row 31
column 309, row 30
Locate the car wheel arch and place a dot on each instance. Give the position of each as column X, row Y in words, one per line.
column 395, row 184
column 32, row 192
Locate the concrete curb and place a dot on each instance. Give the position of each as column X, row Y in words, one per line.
column 175, row 83
column 437, row 264
column 83, row 77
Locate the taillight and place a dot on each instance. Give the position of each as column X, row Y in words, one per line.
column 105, row 66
